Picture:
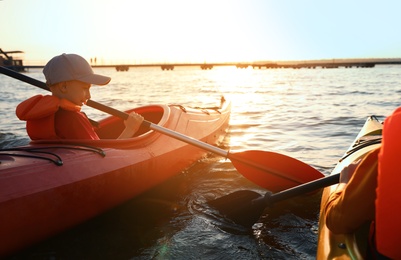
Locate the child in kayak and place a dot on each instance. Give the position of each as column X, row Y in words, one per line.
column 59, row 116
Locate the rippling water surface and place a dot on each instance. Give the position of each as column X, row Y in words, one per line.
column 309, row 114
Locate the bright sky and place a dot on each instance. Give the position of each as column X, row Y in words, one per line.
column 146, row 31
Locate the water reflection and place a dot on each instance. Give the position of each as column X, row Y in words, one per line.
column 311, row 115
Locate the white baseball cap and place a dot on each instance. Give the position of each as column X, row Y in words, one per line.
column 66, row 67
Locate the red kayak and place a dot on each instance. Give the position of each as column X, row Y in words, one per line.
column 47, row 186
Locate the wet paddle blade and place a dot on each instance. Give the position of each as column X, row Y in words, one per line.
column 245, row 207
column 241, row 207
column 273, row 171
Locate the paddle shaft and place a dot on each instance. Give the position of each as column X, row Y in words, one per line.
column 245, row 207
column 23, row 78
column 301, row 189
column 190, row 140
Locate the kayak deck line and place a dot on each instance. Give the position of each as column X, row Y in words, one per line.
column 51, row 156
column 362, row 144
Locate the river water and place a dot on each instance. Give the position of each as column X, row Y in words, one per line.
column 309, row 114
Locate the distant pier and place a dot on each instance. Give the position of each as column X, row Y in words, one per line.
column 314, row 65
column 122, row 67
column 11, row 62
column 209, row 66
column 323, row 64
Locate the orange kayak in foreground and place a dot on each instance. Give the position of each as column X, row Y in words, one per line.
column 50, row 186
column 348, row 246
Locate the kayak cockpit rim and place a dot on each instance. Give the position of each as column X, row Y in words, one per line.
column 110, row 127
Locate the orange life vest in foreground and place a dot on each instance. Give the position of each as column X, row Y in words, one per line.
column 39, row 112
column 388, row 192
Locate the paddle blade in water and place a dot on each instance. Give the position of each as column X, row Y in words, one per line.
column 241, row 207
column 273, row 171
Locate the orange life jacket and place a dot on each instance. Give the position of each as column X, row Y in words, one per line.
column 388, row 200
column 39, row 112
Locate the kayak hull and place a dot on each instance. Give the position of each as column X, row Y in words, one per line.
column 348, row 246
column 42, row 197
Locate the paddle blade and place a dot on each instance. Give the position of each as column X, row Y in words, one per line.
column 273, row 171
column 242, row 207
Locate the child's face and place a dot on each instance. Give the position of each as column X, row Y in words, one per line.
column 77, row 92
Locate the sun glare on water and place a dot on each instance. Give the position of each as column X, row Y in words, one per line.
column 240, row 86
column 243, row 89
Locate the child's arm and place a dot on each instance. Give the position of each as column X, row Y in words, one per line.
column 132, row 125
